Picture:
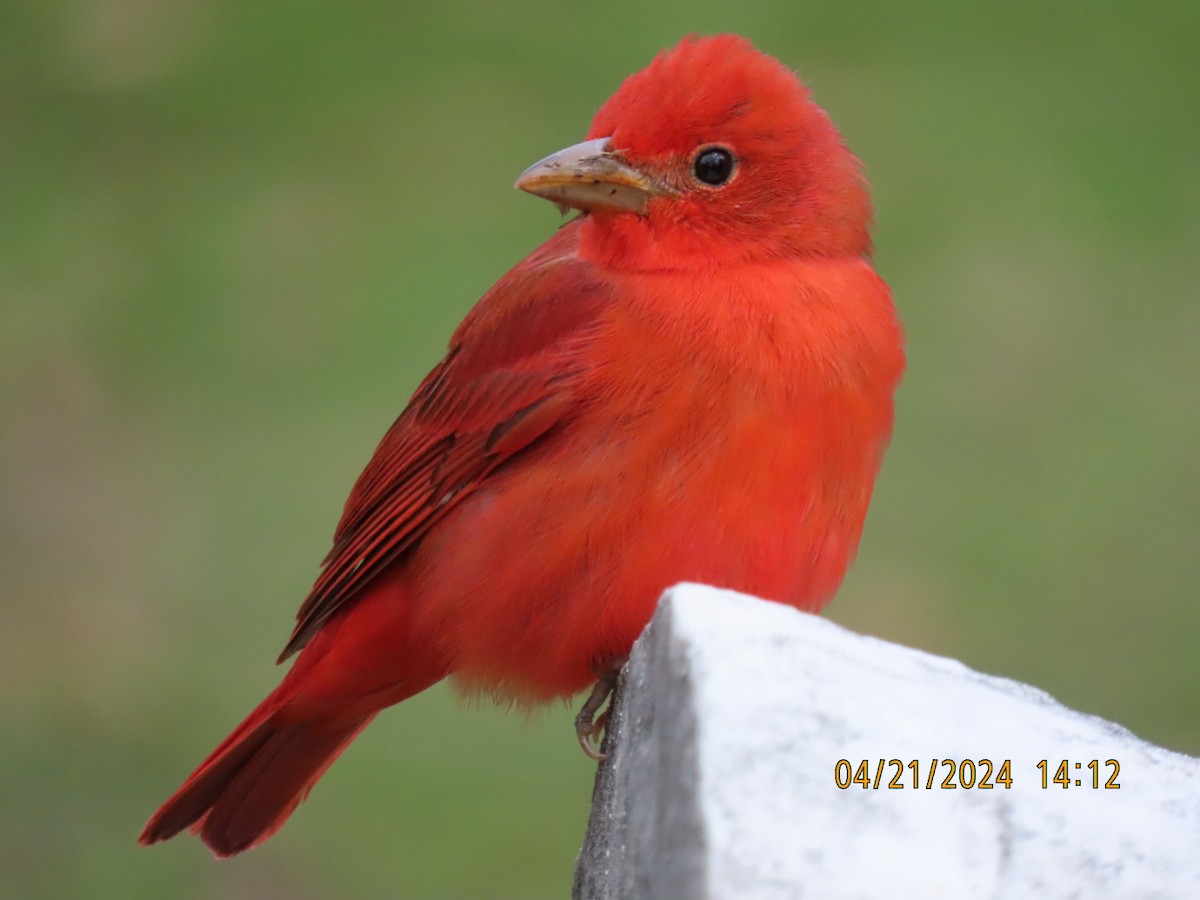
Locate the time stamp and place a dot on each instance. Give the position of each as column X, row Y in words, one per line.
column 972, row 774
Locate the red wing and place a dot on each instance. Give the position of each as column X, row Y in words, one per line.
column 507, row 380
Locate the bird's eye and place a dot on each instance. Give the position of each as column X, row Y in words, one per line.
column 713, row 166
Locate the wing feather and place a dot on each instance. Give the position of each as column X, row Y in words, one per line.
column 508, row 379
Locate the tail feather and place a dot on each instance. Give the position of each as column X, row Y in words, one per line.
column 358, row 663
column 197, row 795
column 271, row 784
column 244, row 793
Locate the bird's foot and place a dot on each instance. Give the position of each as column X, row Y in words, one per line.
column 589, row 727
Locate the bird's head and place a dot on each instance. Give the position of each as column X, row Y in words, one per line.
column 713, row 153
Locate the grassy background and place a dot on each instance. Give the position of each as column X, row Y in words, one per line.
column 236, row 235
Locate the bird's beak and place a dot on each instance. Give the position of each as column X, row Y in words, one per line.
column 589, row 176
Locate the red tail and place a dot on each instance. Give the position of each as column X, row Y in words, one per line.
column 248, row 787
column 358, row 663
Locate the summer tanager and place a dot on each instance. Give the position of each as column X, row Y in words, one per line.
column 691, row 381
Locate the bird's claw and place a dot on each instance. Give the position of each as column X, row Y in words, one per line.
column 590, row 728
column 591, row 734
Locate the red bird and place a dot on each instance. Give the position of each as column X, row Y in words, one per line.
column 691, row 381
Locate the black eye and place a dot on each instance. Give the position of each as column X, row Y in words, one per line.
column 713, row 166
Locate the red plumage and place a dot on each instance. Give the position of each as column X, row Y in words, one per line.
column 691, row 381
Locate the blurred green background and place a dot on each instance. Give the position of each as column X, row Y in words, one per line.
column 236, row 235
